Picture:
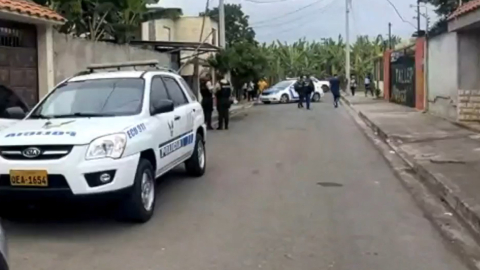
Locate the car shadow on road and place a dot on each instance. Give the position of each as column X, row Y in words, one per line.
column 77, row 220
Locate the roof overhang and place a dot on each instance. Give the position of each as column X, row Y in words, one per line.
column 466, row 17
column 174, row 46
column 25, row 18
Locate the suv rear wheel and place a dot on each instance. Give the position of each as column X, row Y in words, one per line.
column 196, row 164
column 140, row 203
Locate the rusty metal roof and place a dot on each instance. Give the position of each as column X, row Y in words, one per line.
column 31, row 9
column 464, row 9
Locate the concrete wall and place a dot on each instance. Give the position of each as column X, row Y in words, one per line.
column 420, row 73
column 468, row 72
column 442, row 73
column 72, row 55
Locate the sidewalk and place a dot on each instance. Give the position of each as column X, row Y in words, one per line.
column 445, row 155
column 234, row 109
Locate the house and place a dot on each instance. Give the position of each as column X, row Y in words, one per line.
column 186, row 30
column 26, row 55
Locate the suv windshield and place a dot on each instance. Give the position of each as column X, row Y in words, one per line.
column 93, row 98
column 282, row 84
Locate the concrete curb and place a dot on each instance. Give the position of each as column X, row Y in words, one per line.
column 234, row 112
column 430, row 192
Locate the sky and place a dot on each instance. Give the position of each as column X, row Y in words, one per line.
column 320, row 18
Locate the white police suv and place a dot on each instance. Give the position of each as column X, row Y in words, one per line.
column 105, row 133
column 284, row 92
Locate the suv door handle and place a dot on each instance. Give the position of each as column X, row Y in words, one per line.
column 177, row 117
column 194, row 110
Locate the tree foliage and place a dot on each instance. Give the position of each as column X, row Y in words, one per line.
column 237, row 28
column 445, row 7
column 245, row 61
column 97, row 19
column 322, row 58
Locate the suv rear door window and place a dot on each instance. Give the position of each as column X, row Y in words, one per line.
column 175, row 91
column 8, row 99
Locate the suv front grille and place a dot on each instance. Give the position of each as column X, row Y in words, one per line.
column 47, row 152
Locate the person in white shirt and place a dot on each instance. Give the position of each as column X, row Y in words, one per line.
column 368, row 86
column 353, row 85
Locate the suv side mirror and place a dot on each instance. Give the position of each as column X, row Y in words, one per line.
column 16, row 113
column 162, row 106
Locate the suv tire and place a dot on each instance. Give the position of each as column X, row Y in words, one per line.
column 196, row 164
column 140, row 203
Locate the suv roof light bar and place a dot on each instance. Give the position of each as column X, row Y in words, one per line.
column 148, row 63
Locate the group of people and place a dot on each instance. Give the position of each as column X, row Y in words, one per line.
column 367, row 83
column 250, row 92
column 222, row 92
column 304, row 86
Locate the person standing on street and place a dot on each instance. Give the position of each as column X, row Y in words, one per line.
column 368, row 86
column 250, row 91
column 309, row 89
column 353, row 85
column 335, row 89
column 299, row 87
column 223, row 94
column 262, row 85
column 206, row 90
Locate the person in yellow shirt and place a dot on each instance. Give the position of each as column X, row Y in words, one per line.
column 262, row 85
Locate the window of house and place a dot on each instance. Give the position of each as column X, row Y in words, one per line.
column 214, row 36
column 168, row 33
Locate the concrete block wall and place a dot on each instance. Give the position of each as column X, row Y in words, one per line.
column 469, row 105
column 71, row 55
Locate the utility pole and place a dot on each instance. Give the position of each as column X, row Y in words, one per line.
column 221, row 24
column 347, row 43
column 390, row 36
column 418, row 17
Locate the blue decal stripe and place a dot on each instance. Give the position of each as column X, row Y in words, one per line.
column 172, row 146
column 42, row 133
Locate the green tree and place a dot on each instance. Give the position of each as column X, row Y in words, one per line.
column 237, row 28
column 97, row 19
column 244, row 60
column 445, row 7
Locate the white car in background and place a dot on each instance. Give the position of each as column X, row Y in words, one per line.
column 284, row 92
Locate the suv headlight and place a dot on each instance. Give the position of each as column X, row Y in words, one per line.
column 110, row 146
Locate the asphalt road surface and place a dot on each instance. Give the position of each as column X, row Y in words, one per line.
column 285, row 189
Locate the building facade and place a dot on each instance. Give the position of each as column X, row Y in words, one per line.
column 183, row 29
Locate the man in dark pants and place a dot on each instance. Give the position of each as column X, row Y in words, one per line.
column 223, row 94
column 299, row 87
column 335, row 89
column 309, row 89
column 206, row 89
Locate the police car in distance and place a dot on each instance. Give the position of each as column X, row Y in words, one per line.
column 105, row 133
column 284, row 92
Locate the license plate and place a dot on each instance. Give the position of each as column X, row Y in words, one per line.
column 33, row 178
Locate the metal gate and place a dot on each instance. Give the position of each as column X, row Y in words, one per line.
column 402, row 72
column 18, row 60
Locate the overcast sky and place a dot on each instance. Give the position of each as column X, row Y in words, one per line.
column 324, row 18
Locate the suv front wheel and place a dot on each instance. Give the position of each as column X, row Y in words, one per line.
column 196, row 164
column 140, row 203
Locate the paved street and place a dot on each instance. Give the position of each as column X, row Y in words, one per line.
column 284, row 189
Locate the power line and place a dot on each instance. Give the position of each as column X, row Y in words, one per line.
column 400, row 15
column 296, row 26
column 288, row 13
column 294, row 19
column 266, row 2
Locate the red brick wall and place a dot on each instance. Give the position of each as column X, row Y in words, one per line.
column 419, row 73
column 386, row 74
